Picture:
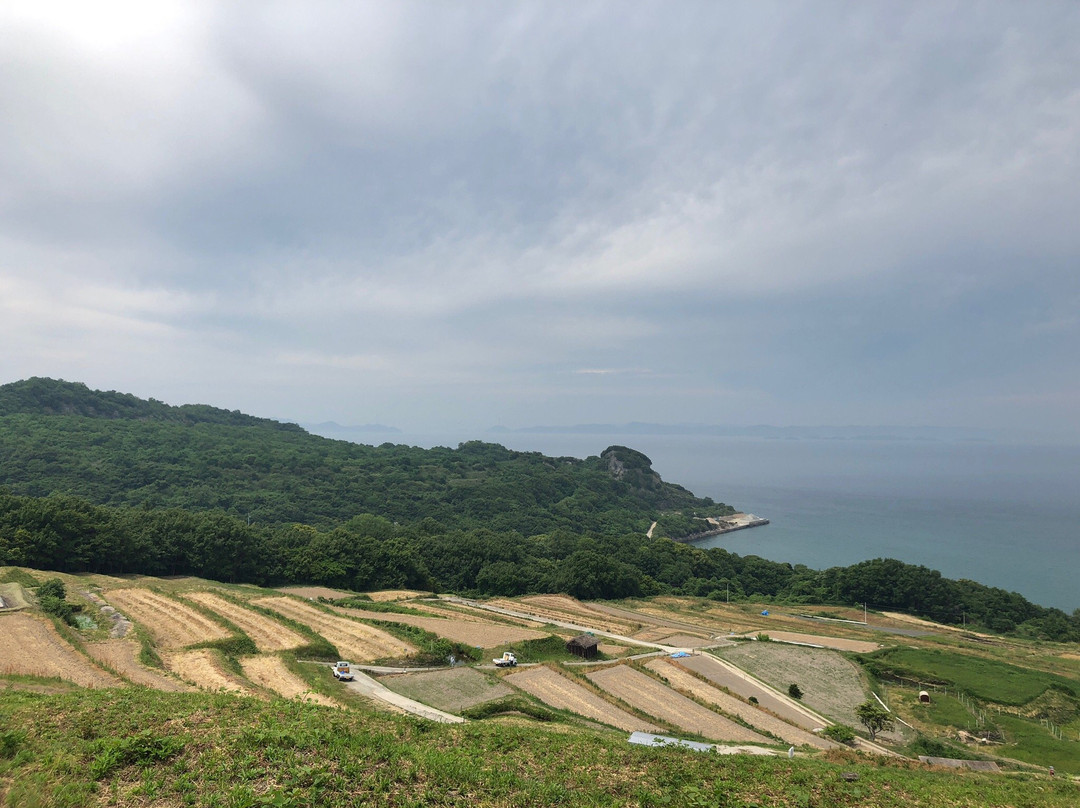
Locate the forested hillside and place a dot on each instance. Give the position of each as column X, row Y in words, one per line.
column 106, row 483
column 115, row 449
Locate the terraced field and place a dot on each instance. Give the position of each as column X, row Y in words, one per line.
column 267, row 634
column 172, row 624
column 679, row 678
column 747, row 688
column 471, row 632
column 353, row 639
column 655, row 698
column 122, row 657
column 568, row 610
column 202, row 667
column 32, row 647
column 272, row 673
column 831, row 685
column 563, row 694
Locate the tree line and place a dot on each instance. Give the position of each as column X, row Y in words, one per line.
column 70, row 534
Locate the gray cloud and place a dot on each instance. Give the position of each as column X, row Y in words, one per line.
column 456, row 215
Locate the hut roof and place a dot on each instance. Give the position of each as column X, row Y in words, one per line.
column 584, row 641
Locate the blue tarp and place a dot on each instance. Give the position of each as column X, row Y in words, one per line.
column 766, row 612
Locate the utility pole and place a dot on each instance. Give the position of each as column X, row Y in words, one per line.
column 864, row 614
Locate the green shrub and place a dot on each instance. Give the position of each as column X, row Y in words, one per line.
column 239, row 645
column 794, row 691
column 510, row 704
column 841, row 733
column 52, row 588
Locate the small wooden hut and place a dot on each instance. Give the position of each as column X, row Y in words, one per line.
column 924, row 697
column 585, row 646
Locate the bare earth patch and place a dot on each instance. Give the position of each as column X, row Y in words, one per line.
column 684, row 641
column 272, row 673
column 172, row 624
column 681, row 679
column 451, row 690
column 353, row 639
column 33, row 647
column 655, row 698
column 469, row 632
column 201, row 667
column 836, row 643
column 830, row 684
column 563, row 694
column 122, row 656
column 315, row 592
column 267, row 634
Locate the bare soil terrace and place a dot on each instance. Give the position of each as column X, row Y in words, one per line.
column 267, row 634
column 563, row 694
column 172, row 624
column 33, row 647
column 122, row 657
column 655, row 698
column 353, row 639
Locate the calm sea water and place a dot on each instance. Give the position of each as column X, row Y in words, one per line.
column 1001, row 514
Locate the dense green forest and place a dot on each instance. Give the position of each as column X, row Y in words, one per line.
column 115, row 449
column 103, row 482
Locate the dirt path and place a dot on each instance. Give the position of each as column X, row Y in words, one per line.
column 470, row 632
column 122, row 657
column 563, row 694
column 654, row 698
column 353, row 639
column 202, row 668
column 267, row 634
column 685, row 681
column 32, row 647
column 272, row 673
column 172, row 624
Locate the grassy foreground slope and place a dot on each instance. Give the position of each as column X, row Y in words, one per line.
column 139, row 747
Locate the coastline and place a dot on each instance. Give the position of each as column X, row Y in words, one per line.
column 738, row 521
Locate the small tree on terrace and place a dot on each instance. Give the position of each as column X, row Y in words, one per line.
column 874, row 717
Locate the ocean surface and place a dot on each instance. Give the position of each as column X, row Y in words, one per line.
column 1005, row 515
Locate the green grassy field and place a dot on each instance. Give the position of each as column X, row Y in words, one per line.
column 986, row 679
column 139, row 747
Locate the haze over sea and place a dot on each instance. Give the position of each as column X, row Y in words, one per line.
column 1002, row 514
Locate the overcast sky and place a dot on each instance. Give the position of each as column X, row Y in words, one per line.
column 456, row 215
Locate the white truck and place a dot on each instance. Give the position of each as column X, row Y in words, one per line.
column 343, row 671
column 507, row 660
